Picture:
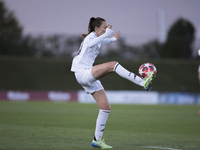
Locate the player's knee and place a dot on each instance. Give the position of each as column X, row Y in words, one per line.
column 112, row 65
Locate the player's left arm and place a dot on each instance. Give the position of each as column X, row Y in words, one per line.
column 113, row 39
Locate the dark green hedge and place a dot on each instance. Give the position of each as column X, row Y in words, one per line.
column 54, row 74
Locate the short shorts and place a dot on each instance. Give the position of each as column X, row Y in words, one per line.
column 87, row 81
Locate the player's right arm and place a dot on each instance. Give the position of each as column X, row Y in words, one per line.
column 99, row 39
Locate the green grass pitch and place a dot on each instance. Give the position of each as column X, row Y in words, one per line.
column 70, row 126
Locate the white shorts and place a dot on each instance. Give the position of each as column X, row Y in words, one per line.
column 87, row 81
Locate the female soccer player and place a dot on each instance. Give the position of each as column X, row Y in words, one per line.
column 88, row 75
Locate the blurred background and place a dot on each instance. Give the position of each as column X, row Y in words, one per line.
column 39, row 38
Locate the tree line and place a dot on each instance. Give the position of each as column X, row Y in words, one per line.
column 13, row 43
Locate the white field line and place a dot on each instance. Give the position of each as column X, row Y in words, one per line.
column 171, row 147
column 160, row 147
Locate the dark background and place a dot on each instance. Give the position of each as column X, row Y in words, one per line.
column 21, row 73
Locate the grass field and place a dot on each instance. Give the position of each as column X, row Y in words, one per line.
column 70, row 126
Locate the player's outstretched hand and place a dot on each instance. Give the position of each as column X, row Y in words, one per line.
column 109, row 26
column 117, row 34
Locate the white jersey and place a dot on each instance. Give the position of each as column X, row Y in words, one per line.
column 89, row 50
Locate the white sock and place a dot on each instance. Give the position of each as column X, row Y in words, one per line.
column 100, row 123
column 128, row 75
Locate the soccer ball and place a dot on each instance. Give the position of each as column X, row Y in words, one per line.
column 145, row 70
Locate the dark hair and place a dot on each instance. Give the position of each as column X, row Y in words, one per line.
column 92, row 24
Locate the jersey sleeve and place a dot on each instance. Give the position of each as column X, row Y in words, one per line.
column 109, row 40
column 99, row 39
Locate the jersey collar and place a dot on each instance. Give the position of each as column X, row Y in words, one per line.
column 94, row 34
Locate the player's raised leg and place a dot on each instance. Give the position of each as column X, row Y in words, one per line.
column 101, row 70
column 120, row 70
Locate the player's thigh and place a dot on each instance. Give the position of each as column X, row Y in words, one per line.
column 101, row 70
column 101, row 99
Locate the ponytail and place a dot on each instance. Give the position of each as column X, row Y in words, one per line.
column 92, row 24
